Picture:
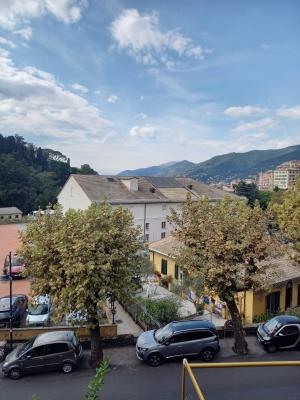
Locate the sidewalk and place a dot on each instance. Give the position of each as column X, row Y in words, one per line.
column 126, row 324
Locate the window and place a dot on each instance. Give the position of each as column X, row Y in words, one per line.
column 288, row 295
column 164, row 267
column 290, row 330
column 298, row 302
column 55, row 348
column 164, row 207
column 176, row 271
column 147, row 226
column 147, row 236
column 273, row 302
column 36, row 352
column 163, row 225
column 163, row 235
column 194, row 335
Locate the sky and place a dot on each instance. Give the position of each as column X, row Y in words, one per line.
column 129, row 84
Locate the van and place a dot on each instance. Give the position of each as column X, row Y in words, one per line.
column 49, row 351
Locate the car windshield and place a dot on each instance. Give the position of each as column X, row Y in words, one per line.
column 272, row 326
column 163, row 333
column 5, row 303
column 26, row 346
column 17, row 261
column 38, row 309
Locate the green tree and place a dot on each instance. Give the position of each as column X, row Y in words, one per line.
column 287, row 214
column 224, row 242
column 191, row 287
column 248, row 190
column 79, row 258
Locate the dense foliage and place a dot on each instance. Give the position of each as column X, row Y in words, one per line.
column 163, row 310
column 223, row 242
column 80, row 259
column 31, row 177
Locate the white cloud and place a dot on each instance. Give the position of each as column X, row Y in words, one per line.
column 7, row 42
column 112, row 98
column 142, row 38
column 79, row 88
column 13, row 12
column 292, row 112
column 245, row 111
column 261, row 125
column 25, row 33
column 141, row 115
column 144, row 132
column 33, row 102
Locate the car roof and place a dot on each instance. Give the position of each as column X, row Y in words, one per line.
column 288, row 319
column 50, row 337
column 179, row 326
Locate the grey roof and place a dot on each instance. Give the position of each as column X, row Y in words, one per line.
column 50, row 337
column 9, row 211
column 150, row 189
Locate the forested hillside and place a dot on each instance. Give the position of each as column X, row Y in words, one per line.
column 31, row 177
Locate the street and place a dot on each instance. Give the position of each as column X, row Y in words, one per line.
column 132, row 380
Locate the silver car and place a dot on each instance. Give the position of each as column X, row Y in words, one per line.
column 49, row 351
column 178, row 339
column 39, row 312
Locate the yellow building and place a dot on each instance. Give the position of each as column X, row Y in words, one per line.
column 283, row 282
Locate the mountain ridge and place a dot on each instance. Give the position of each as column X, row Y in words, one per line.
column 223, row 167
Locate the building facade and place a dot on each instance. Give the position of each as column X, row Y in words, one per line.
column 282, row 283
column 265, row 180
column 10, row 213
column 283, row 177
column 150, row 199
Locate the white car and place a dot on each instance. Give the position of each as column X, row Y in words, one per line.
column 39, row 311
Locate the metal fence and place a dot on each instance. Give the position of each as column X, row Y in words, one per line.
column 140, row 314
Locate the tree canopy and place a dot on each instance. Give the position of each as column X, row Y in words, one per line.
column 31, row 177
column 224, row 243
column 80, row 258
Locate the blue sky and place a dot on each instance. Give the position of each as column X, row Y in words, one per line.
column 127, row 84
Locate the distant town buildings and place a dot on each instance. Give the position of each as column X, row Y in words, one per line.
column 150, row 199
column 283, row 177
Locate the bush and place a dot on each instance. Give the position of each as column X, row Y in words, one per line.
column 163, row 310
column 293, row 311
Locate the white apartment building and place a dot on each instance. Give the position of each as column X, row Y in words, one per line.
column 150, row 199
column 286, row 174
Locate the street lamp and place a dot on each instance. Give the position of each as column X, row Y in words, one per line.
column 5, row 278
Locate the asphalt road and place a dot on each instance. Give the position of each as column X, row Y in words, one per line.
column 131, row 380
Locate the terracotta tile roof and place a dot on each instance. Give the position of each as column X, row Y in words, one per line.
column 168, row 246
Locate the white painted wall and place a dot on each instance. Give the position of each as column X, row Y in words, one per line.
column 72, row 196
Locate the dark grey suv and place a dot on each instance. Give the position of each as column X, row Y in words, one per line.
column 50, row 351
column 178, row 339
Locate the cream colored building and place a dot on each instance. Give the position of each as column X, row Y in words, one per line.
column 10, row 213
column 150, row 199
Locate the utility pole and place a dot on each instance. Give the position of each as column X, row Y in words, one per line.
column 10, row 305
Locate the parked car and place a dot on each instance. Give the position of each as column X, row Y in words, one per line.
column 19, row 306
column 17, row 266
column 281, row 332
column 39, row 311
column 178, row 339
column 51, row 351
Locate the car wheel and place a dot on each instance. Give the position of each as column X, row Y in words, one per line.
column 155, row 359
column 271, row 348
column 207, row 355
column 67, row 368
column 15, row 373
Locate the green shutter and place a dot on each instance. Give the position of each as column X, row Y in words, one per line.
column 164, row 267
column 176, row 271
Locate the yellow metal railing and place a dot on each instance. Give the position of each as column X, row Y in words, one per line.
column 187, row 368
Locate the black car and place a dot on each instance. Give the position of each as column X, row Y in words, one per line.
column 19, row 306
column 281, row 332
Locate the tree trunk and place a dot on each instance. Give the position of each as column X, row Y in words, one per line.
column 240, row 345
column 96, row 346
